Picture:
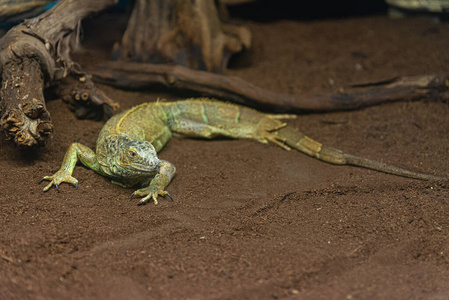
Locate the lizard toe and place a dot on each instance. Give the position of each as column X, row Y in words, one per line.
column 46, row 188
column 279, row 141
column 142, row 201
column 147, row 194
column 58, row 178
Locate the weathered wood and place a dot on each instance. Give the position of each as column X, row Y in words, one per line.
column 184, row 32
column 135, row 76
column 26, row 120
column 84, row 98
column 17, row 10
column 43, row 45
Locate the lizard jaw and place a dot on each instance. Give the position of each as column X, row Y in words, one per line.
column 150, row 169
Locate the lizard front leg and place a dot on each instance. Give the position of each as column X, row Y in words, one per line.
column 158, row 184
column 75, row 152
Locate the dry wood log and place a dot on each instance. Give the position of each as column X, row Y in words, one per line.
column 33, row 55
column 185, row 32
column 15, row 10
column 135, row 76
column 28, row 119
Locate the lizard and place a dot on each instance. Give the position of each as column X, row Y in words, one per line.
column 128, row 143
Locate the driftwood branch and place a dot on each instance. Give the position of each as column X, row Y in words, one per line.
column 36, row 54
column 136, row 76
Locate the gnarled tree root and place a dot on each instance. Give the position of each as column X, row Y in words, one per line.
column 230, row 88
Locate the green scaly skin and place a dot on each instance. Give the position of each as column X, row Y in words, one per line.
column 128, row 143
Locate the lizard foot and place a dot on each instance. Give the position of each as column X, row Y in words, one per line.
column 273, row 138
column 267, row 133
column 149, row 193
column 58, row 178
column 265, row 136
column 156, row 188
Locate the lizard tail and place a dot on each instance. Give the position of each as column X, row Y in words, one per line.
column 389, row 169
column 302, row 143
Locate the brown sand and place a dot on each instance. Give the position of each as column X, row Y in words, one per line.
column 250, row 221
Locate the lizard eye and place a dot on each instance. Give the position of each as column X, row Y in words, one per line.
column 132, row 153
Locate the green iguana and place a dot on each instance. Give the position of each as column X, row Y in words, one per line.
column 127, row 145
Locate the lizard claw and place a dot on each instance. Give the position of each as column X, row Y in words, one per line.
column 156, row 188
column 143, row 201
column 169, row 196
column 58, row 178
column 149, row 193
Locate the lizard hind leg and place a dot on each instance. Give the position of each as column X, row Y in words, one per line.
column 264, row 131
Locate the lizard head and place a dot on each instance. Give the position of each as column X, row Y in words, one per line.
column 126, row 158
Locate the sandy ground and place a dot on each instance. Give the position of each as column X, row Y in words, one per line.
column 250, row 221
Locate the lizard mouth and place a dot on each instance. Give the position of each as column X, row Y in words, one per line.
column 142, row 168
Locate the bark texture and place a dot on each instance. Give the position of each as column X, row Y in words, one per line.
column 185, row 32
column 25, row 120
column 11, row 10
column 36, row 54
